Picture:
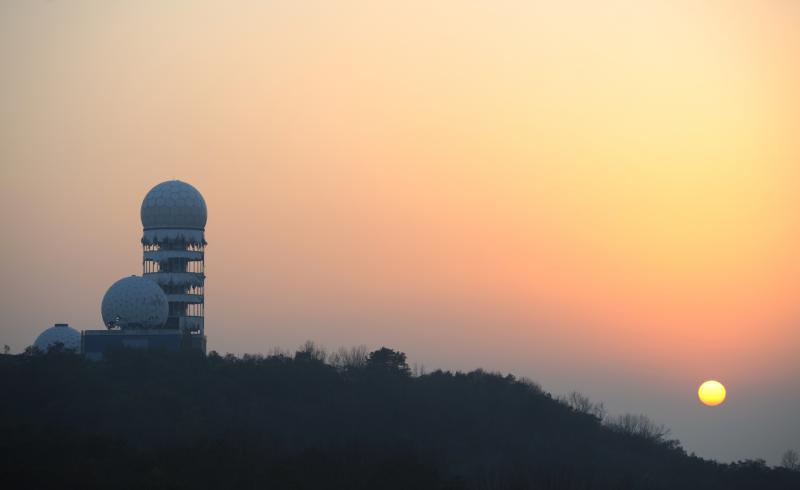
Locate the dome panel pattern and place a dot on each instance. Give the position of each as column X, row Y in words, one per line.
column 174, row 204
column 134, row 302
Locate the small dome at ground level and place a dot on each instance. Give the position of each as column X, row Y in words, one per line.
column 60, row 333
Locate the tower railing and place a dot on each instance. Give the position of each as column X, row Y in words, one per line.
column 178, row 267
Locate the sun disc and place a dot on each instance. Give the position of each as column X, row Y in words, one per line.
column 711, row 393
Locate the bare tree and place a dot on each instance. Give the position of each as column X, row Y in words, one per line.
column 6, row 349
column 791, row 460
column 582, row 404
column 639, row 425
column 349, row 358
column 279, row 352
column 310, row 351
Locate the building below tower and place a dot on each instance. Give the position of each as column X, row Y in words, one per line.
column 95, row 343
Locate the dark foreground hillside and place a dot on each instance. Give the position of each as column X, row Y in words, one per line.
column 156, row 420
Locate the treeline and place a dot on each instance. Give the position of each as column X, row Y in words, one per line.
column 310, row 420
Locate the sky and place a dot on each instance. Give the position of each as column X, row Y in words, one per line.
column 599, row 196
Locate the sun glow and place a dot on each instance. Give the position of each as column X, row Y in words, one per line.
column 711, row 393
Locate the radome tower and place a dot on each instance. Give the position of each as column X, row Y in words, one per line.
column 174, row 218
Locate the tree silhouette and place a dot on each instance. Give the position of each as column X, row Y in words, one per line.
column 790, row 460
column 388, row 361
column 582, row 404
column 351, row 358
column 311, row 352
column 639, row 426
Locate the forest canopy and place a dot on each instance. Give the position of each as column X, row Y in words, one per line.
column 349, row 419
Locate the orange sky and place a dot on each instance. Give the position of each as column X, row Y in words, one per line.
column 597, row 195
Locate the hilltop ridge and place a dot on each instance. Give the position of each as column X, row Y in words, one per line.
column 351, row 420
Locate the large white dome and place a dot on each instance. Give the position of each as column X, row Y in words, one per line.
column 134, row 302
column 174, row 204
column 60, row 333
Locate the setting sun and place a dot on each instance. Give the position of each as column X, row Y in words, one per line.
column 711, row 393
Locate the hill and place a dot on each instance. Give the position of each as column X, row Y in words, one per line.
column 143, row 419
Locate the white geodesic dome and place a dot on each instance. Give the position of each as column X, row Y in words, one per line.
column 134, row 302
column 174, row 204
column 61, row 333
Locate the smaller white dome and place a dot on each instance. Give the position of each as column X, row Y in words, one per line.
column 61, row 333
column 134, row 302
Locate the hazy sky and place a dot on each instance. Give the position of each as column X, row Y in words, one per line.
column 600, row 196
